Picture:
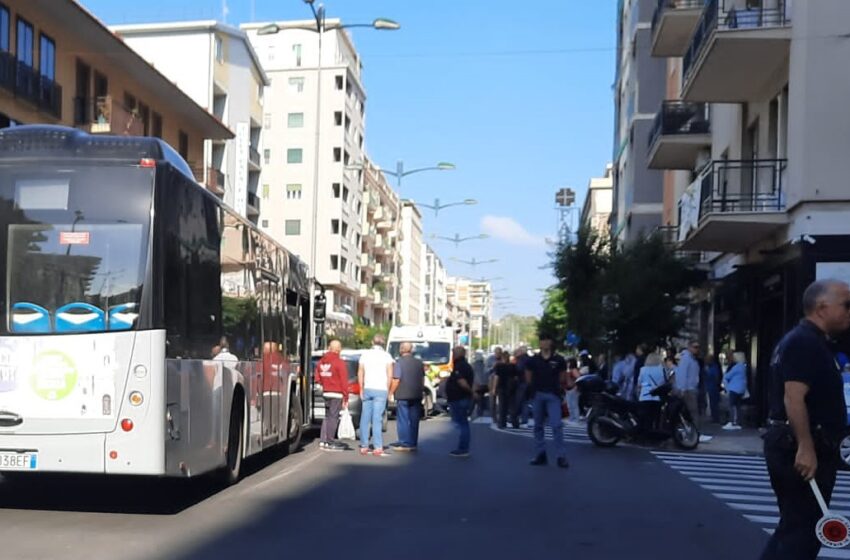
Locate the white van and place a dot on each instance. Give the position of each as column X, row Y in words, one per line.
column 431, row 344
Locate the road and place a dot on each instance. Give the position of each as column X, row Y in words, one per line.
column 617, row 503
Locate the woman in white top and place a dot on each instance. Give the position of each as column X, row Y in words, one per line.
column 651, row 377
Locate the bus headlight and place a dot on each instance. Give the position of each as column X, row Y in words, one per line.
column 140, row 371
column 136, row 398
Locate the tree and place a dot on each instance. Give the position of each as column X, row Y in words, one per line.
column 554, row 319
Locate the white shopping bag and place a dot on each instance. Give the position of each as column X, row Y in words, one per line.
column 346, row 426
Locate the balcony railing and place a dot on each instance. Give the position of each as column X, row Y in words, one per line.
column 742, row 186
column 680, row 117
column 7, row 71
column 254, row 156
column 724, row 14
column 215, row 180
column 665, row 5
column 50, row 96
column 253, row 202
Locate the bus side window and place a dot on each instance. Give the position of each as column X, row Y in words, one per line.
column 239, row 299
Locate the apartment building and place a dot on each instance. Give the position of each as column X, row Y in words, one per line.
column 639, row 90
column 380, row 253
column 412, row 256
column 291, row 60
column 758, row 131
column 60, row 65
column 434, row 294
column 477, row 298
column 217, row 67
column 596, row 211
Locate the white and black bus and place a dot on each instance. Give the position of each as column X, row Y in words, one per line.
column 145, row 327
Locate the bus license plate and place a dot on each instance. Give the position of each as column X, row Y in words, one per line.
column 13, row 461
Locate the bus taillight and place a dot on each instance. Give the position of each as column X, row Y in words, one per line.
column 126, row 424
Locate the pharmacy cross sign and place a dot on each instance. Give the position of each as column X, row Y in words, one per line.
column 565, row 197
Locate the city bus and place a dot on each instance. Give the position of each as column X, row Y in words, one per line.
column 147, row 328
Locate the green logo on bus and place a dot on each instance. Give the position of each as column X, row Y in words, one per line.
column 54, row 375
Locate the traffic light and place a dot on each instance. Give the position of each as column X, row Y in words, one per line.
column 320, row 308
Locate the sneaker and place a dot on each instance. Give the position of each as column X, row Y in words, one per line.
column 365, row 451
column 323, row 445
column 336, row 446
column 459, row 453
column 736, row 427
column 539, row 461
column 705, row 439
column 729, row 426
column 380, row 453
column 402, row 447
column 563, row 463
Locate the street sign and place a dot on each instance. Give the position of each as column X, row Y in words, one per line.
column 572, row 339
column 565, row 197
column 833, row 530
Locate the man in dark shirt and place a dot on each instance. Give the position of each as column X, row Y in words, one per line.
column 546, row 374
column 407, row 387
column 505, row 380
column 807, row 419
column 459, row 396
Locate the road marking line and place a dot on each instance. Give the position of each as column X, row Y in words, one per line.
column 287, row 472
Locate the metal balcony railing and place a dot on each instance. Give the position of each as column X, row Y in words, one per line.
column 7, row 71
column 254, row 156
column 742, row 186
column 727, row 14
column 680, row 117
column 254, row 201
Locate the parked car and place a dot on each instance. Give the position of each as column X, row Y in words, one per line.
column 352, row 361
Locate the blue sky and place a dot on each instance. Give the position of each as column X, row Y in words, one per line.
column 516, row 94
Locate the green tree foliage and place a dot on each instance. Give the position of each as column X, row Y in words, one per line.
column 618, row 297
column 362, row 335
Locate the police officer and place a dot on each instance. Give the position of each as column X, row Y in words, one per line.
column 546, row 374
column 806, row 419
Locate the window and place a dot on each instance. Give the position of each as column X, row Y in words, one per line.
column 293, row 191
column 335, row 227
column 145, row 117
column 129, row 101
column 219, row 49
column 267, row 156
column 156, row 125
column 296, row 50
column 270, row 53
column 296, row 85
column 267, row 121
column 340, row 82
column 183, row 144
column 25, row 42
column 334, row 262
column 337, row 154
column 346, row 158
column 4, row 29
column 338, row 118
column 343, row 265
column 265, row 223
column 360, row 140
column 295, row 120
column 265, row 191
column 47, row 53
column 345, row 230
column 336, row 187
column 294, row 155
column 345, row 194
column 293, row 227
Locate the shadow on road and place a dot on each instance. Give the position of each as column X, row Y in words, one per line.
column 122, row 494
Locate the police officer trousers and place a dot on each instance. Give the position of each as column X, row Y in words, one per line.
column 795, row 538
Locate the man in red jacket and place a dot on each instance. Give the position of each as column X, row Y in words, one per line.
column 332, row 375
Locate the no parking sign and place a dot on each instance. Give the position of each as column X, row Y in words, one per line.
column 833, row 530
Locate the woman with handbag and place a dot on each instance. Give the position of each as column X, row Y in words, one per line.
column 735, row 382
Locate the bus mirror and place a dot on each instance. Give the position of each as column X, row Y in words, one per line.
column 319, row 308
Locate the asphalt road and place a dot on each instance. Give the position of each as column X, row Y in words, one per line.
column 618, row 503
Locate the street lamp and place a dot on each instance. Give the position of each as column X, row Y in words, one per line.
column 437, row 206
column 381, row 24
column 475, row 262
column 400, row 172
column 457, row 239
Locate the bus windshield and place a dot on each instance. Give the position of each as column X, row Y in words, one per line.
column 75, row 243
column 429, row 352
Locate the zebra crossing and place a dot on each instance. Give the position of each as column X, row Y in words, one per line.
column 743, row 484
column 573, row 433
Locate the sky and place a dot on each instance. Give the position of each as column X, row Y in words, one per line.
column 518, row 95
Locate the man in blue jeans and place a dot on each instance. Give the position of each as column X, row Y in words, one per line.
column 374, row 374
column 407, row 387
column 546, row 374
column 459, row 395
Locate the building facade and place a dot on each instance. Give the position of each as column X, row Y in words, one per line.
column 596, row 211
column 296, row 105
column 218, row 68
column 639, row 91
column 477, row 298
column 60, row 65
column 412, row 256
column 434, row 293
column 765, row 205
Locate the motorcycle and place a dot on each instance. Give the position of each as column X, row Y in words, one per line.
column 612, row 419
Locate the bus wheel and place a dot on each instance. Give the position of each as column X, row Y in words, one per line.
column 235, row 443
column 296, row 429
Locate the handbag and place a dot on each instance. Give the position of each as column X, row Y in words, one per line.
column 346, row 425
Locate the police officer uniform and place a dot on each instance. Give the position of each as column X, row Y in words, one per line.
column 804, row 355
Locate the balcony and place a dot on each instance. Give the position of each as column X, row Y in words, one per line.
column 253, row 159
column 736, row 52
column 7, row 71
column 364, row 290
column 680, row 132
column 215, row 181
column 253, row 205
column 733, row 205
column 107, row 116
column 673, row 25
column 367, row 262
column 38, row 90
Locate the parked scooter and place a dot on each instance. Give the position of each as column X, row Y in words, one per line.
column 612, row 418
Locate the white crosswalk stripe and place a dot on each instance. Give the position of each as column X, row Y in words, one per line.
column 572, row 433
column 742, row 483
